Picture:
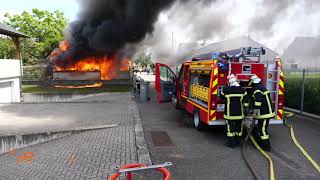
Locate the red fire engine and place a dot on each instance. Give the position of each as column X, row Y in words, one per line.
column 197, row 88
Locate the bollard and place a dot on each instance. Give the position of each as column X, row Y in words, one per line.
column 144, row 91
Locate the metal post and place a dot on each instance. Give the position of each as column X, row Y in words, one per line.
column 172, row 41
column 302, row 91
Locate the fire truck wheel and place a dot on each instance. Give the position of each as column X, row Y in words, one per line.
column 198, row 124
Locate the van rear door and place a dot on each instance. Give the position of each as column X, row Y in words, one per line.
column 165, row 83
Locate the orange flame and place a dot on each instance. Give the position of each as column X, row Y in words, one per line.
column 64, row 45
column 106, row 65
column 125, row 65
column 95, row 85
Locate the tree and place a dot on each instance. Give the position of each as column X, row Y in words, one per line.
column 144, row 60
column 7, row 48
column 44, row 28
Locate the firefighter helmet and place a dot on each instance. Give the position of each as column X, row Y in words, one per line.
column 254, row 79
column 232, row 80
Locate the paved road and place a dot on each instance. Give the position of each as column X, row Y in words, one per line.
column 202, row 155
column 94, row 153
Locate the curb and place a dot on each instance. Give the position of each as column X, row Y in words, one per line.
column 141, row 143
column 303, row 113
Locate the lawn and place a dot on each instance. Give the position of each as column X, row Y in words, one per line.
column 297, row 75
column 49, row 89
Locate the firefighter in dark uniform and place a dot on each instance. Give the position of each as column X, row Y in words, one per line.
column 263, row 111
column 235, row 100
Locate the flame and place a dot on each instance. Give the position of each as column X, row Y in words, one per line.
column 64, row 45
column 105, row 65
column 125, row 65
column 95, row 85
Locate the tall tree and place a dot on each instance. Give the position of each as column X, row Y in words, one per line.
column 7, row 48
column 44, row 28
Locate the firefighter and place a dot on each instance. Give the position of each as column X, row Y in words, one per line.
column 234, row 96
column 263, row 111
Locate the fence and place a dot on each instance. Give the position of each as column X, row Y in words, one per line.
column 33, row 73
column 302, row 87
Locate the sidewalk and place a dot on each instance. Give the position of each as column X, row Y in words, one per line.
column 94, row 154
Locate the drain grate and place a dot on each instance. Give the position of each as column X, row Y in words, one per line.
column 161, row 138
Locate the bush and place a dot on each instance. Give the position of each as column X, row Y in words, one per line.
column 311, row 94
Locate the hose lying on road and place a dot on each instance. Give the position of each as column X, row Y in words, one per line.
column 271, row 168
column 294, row 139
column 243, row 148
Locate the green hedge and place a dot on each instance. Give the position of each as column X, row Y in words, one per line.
column 311, row 94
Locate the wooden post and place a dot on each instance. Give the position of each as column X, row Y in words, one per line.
column 17, row 44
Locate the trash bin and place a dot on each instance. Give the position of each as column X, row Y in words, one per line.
column 144, row 91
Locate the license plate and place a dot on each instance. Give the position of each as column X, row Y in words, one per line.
column 220, row 108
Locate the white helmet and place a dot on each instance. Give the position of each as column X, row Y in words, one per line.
column 232, row 80
column 254, row 79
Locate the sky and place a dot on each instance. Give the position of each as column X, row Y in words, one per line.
column 68, row 7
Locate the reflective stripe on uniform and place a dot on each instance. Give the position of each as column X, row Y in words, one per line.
column 268, row 101
column 233, row 117
column 270, row 114
column 264, row 133
column 234, row 95
column 246, row 104
column 229, row 134
column 227, row 116
column 266, row 116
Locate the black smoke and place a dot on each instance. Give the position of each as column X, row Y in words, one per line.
column 105, row 27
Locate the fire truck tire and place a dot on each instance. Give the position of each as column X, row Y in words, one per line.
column 198, row 124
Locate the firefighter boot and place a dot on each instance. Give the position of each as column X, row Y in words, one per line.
column 231, row 142
column 264, row 144
column 238, row 140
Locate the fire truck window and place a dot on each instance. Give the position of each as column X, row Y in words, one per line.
column 166, row 74
column 163, row 73
column 171, row 76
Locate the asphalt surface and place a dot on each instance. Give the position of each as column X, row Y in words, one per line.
column 202, row 155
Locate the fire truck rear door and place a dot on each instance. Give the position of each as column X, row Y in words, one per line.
column 165, row 82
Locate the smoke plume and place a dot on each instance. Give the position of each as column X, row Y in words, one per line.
column 273, row 23
column 106, row 27
column 123, row 27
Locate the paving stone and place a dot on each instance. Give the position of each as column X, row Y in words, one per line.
column 95, row 153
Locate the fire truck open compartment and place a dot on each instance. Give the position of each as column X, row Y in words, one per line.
column 198, row 86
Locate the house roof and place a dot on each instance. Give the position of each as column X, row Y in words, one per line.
column 303, row 47
column 303, row 51
column 9, row 31
column 235, row 43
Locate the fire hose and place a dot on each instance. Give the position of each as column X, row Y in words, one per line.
column 271, row 168
column 294, row 139
column 244, row 146
column 129, row 168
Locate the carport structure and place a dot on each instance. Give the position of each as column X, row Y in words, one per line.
column 15, row 35
column 11, row 69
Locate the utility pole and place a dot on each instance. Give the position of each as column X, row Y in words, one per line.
column 302, row 90
column 172, row 41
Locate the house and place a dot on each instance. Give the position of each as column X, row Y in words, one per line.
column 11, row 69
column 303, row 51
